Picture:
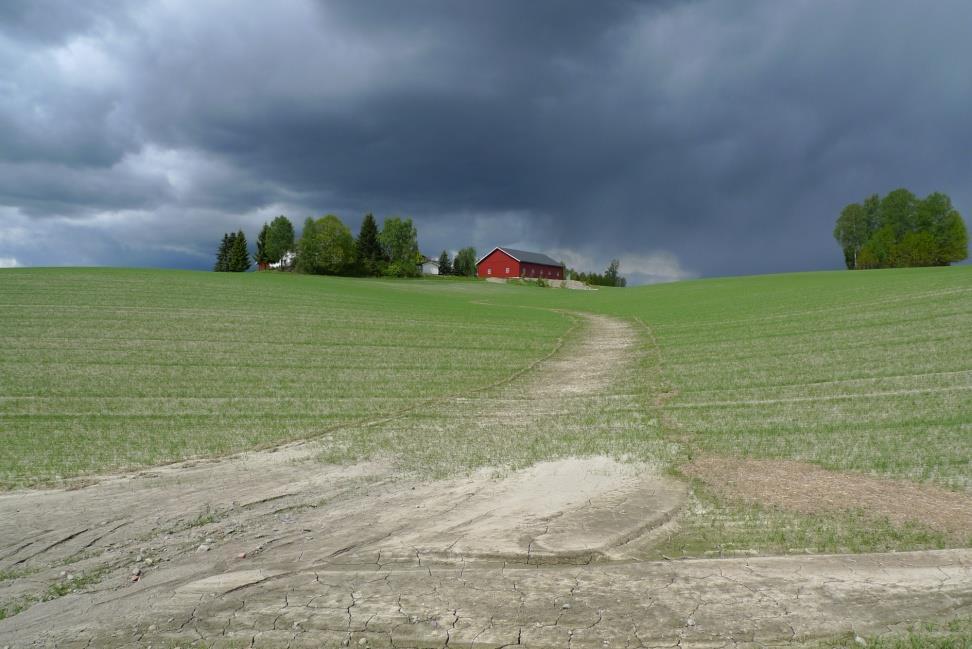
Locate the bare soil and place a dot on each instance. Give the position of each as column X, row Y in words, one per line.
column 810, row 489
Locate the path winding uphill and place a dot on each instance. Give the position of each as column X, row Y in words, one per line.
column 274, row 549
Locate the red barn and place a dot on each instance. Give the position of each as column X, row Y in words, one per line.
column 507, row 262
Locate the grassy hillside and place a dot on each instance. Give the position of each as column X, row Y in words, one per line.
column 106, row 368
column 869, row 371
column 101, row 369
column 862, row 371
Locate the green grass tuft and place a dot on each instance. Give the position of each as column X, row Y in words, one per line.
column 954, row 634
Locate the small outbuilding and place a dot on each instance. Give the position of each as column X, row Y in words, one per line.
column 508, row 262
column 429, row 266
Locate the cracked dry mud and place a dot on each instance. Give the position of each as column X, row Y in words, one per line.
column 337, row 556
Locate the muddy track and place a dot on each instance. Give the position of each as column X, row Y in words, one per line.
column 274, row 549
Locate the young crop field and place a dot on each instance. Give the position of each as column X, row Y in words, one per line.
column 102, row 370
column 862, row 372
column 499, row 427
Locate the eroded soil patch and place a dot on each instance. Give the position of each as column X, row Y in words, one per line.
column 334, row 531
column 809, row 489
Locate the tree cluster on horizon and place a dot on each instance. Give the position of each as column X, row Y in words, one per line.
column 610, row 277
column 901, row 230
column 274, row 241
column 327, row 247
column 232, row 256
column 464, row 264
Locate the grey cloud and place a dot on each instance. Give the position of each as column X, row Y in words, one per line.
column 709, row 137
column 44, row 190
column 47, row 21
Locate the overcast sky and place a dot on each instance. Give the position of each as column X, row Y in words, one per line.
column 691, row 138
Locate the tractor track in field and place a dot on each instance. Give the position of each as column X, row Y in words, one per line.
column 274, row 549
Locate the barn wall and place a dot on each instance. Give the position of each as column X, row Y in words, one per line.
column 501, row 265
column 540, row 270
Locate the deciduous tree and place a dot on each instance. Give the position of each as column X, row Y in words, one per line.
column 611, row 276
column 952, row 239
column 852, row 232
column 879, row 250
column 916, row 249
column 901, row 230
column 326, row 247
column 465, row 262
column 280, row 238
column 399, row 242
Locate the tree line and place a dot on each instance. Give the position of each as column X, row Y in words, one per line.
column 901, row 230
column 464, row 265
column 610, row 277
column 327, row 247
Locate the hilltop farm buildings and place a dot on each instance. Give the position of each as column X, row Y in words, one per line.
column 508, row 262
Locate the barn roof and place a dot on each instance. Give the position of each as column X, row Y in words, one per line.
column 524, row 256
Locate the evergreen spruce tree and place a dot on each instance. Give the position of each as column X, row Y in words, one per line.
column 261, row 257
column 368, row 250
column 445, row 266
column 239, row 256
column 222, row 256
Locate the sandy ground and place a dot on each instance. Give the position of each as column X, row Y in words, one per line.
column 543, row 557
column 273, row 549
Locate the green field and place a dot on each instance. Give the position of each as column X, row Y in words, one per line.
column 107, row 369
column 867, row 371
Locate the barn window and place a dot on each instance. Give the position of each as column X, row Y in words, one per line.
column 489, row 271
column 507, row 270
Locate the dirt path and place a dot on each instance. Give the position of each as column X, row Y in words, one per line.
column 275, row 549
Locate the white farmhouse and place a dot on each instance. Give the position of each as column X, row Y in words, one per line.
column 429, row 266
column 286, row 262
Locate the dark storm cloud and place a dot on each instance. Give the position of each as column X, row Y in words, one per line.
column 50, row 21
column 685, row 137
